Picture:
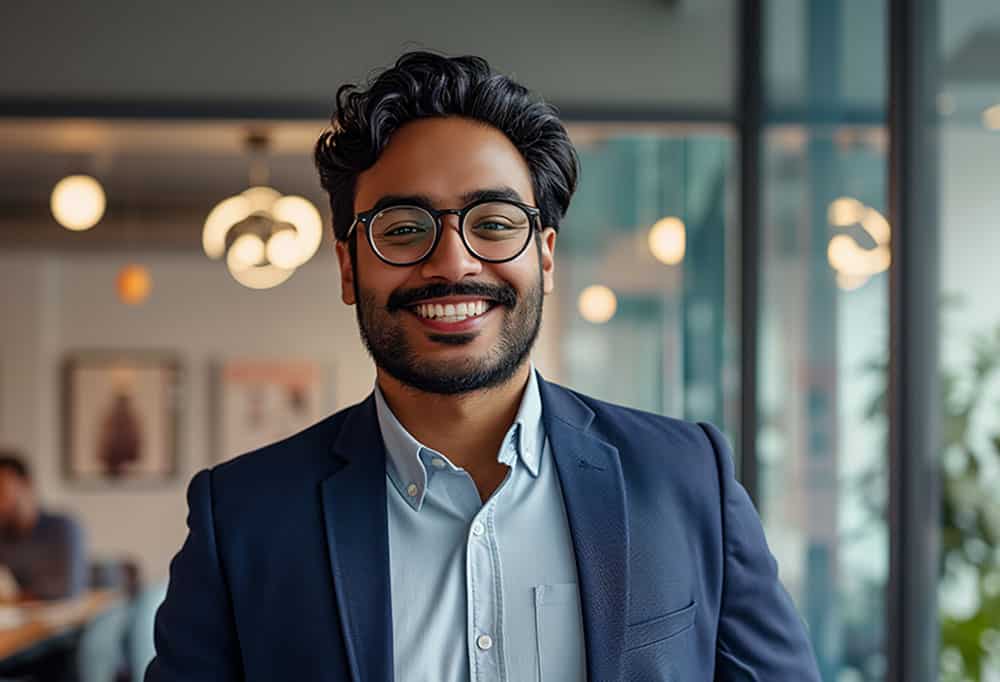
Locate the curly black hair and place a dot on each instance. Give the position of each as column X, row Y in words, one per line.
column 425, row 84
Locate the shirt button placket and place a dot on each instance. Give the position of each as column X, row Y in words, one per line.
column 486, row 667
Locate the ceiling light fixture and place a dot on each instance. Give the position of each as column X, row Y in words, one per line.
column 275, row 233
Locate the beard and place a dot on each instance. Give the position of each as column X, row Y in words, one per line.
column 385, row 337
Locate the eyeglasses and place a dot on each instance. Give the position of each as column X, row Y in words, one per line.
column 494, row 231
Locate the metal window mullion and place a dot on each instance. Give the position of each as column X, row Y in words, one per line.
column 914, row 406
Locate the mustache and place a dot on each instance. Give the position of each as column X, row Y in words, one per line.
column 503, row 294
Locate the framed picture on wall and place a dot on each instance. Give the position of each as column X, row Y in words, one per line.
column 260, row 401
column 120, row 416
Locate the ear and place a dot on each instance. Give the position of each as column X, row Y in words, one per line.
column 547, row 255
column 346, row 273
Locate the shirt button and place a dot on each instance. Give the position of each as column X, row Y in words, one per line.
column 412, row 490
column 437, row 463
column 484, row 642
column 478, row 529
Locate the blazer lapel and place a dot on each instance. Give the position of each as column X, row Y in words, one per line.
column 354, row 510
column 594, row 492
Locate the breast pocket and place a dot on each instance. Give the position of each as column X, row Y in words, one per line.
column 559, row 633
column 660, row 628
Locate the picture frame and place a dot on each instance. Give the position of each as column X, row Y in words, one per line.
column 259, row 401
column 120, row 417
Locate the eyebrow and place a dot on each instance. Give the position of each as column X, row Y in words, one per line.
column 424, row 201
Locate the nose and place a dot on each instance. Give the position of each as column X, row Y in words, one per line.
column 450, row 261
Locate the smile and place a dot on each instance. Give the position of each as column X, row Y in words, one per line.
column 452, row 312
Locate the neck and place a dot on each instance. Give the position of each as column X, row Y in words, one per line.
column 468, row 428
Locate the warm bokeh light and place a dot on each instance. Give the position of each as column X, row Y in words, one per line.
column 668, row 240
column 256, row 276
column 298, row 232
column 248, row 249
column 226, row 213
column 283, row 249
column 597, row 304
column 991, row 117
column 134, row 284
column 845, row 211
column 854, row 263
column 847, row 258
column 78, row 202
column 300, row 212
column 231, row 211
column 877, row 226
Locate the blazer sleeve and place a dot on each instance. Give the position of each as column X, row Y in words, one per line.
column 761, row 637
column 194, row 631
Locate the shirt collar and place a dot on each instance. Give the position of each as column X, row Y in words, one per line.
column 411, row 465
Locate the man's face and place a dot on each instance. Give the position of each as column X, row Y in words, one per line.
column 444, row 159
column 12, row 490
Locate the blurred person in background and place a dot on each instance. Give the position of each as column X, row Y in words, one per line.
column 469, row 520
column 45, row 552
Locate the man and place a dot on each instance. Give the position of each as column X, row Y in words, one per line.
column 469, row 520
column 43, row 551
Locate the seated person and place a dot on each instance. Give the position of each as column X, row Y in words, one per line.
column 44, row 551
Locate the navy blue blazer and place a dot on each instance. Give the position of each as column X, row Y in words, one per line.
column 285, row 571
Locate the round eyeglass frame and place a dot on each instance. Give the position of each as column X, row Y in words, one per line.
column 366, row 217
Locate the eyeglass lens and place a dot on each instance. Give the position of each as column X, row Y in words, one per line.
column 494, row 231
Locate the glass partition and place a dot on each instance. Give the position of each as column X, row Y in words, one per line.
column 968, row 103
column 646, row 312
column 822, row 451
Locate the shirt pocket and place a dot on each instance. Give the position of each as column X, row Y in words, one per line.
column 559, row 633
column 660, row 628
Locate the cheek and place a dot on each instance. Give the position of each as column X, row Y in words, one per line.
column 522, row 273
column 379, row 279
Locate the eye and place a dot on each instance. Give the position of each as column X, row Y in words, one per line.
column 493, row 225
column 403, row 230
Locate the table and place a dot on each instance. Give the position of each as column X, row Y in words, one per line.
column 44, row 622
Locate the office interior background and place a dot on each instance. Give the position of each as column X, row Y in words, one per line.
column 787, row 224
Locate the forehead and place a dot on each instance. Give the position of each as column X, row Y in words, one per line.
column 444, row 158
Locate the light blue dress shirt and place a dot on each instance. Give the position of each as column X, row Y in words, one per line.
column 481, row 592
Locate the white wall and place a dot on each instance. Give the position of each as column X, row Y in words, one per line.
column 53, row 304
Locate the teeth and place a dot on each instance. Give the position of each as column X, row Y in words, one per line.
column 450, row 312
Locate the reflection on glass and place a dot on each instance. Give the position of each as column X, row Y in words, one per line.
column 648, row 315
column 823, row 346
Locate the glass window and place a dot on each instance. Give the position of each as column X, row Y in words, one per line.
column 645, row 307
column 823, row 324
column 969, row 108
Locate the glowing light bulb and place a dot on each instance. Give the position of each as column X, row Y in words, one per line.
column 283, row 249
column 248, row 249
column 597, row 304
column 845, row 211
column 668, row 240
column 78, row 202
column 301, row 213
